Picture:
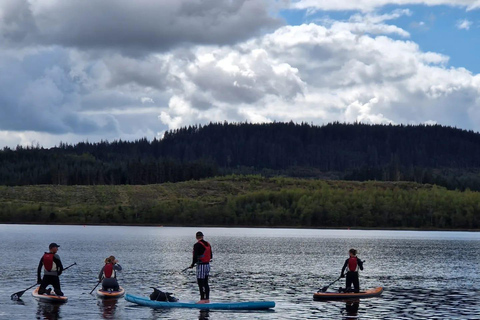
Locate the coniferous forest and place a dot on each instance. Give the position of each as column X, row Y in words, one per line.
column 276, row 174
column 436, row 154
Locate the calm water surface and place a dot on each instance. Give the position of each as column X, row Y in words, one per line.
column 426, row 275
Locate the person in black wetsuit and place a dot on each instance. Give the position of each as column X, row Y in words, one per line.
column 352, row 264
column 108, row 274
column 52, row 269
column 202, row 255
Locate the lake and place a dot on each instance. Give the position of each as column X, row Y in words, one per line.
column 426, row 275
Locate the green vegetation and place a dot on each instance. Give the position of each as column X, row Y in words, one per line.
column 247, row 201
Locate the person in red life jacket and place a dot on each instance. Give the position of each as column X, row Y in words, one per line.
column 52, row 269
column 202, row 255
column 109, row 274
column 352, row 264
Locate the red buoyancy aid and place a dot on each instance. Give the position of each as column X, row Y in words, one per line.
column 207, row 255
column 352, row 264
column 48, row 261
column 108, row 271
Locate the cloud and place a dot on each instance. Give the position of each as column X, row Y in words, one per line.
column 135, row 27
column 361, row 69
column 371, row 5
column 319, row 74
column 464, row 24
column 371, row 23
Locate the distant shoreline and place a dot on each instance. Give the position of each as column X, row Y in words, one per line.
column 240, row 227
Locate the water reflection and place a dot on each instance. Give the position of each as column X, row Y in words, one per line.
column 48, row 311
column 351, row 309
column 204, row 315
column 107, row 308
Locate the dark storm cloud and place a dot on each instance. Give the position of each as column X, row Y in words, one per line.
column 140, row 25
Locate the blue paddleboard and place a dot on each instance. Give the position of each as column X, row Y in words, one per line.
column 250, row 305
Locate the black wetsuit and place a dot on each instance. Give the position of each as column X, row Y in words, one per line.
column 50, row 277
column 352, row 276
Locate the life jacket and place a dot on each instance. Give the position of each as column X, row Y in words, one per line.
column 352, row 264
column 109, row 271
column 48, row 262
column 207, row 255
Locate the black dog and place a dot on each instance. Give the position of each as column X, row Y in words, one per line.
column 158, row 295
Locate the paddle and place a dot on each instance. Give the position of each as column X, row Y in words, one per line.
column 70, row 266
column 326, row 287
column 96, row 285
column 185, row 269
column 18, row 294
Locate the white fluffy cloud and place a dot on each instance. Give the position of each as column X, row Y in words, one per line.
column 370, row 5
column 318, row 74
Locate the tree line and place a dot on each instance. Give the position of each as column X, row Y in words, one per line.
column 435, row 154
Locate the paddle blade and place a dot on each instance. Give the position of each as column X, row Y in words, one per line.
column 16, row 296
column 324, row 289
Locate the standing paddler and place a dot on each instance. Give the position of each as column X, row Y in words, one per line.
column 202, row 255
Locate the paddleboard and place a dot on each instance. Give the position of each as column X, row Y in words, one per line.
column 110, row 294
column 350, row 295
column 49, row 297
column 251, row 305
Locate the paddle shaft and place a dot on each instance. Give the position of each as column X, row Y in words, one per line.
column 326, row 287
column 70, row 266
column 96, row 286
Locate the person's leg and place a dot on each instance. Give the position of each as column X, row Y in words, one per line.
column 43, row 285
column 206, row 288
column 201, row 287
column 356, row 282
column 109, row 284
column 56, row 285
column 116, row 287
column 348, row 281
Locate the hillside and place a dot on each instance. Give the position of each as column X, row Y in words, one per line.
column 247, row 201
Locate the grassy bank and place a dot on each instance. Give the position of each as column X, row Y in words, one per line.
column 247, row 201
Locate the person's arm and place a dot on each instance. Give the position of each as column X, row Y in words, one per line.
column 342, row 274
column 58, row 262
column 360, row 263
column 198, row 250
column 100, row 275
column 117, row 267
column 194, row 255
column 39, row 271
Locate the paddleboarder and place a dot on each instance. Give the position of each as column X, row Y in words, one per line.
column 202, row 255
column 52, row 269
column 109, row 275
column 353, row 264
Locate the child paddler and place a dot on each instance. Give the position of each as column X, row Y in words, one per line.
column 353, row 264
column 52, row 269
column 202, row 255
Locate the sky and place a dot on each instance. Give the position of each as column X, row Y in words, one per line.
column 92, row 70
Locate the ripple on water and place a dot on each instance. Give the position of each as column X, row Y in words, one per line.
column 283, row 266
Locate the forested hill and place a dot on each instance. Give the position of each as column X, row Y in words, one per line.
column 427, row 154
